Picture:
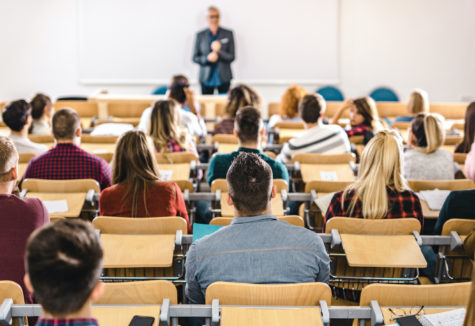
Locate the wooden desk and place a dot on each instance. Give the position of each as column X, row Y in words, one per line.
column 394, row 251
column 312, row 172
column 277, row 206
column 136, row 251
column 75, row 201
column 427, row 212
column 98, row 148
column 227, row 148
column 231, row 316
column 122, row 315
column 180, row 171
column 407, row 311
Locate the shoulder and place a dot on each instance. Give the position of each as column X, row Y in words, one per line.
column 226, row 30
column 444, row 153
column 219, row 158
column 112, row 191
column 33, row 207
column 202, row 32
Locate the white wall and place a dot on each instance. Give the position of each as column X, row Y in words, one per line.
column 405, row 44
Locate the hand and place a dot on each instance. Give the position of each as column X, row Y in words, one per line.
column 212, row 57
column 347, row 104
column 216, row 46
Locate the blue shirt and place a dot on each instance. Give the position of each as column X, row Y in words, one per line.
column 255, row 249
column 214, row 78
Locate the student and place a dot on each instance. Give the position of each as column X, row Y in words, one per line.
column 17, row 117
column 66, row 160
column 63, row 269
column 317, row 138
column 42, row 111
column 380, row 190
column 249, row 129
column 238, row 97
column 426, row 136
column 19, row 217
column 165, row 130
column 469, row 130
column 418, row 103
column 364, row 118
column 470, row 164
column 289, row 106
column 137, row 190
column 256, row 247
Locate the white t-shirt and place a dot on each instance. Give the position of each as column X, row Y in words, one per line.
column 194, row 126
column 24, row 145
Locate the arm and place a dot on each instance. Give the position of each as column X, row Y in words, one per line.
column 323, row 262
column 345, row 106
column 180, row 206
column 193, row 291
column 198, row 57
column 470, row 164
column 210, row 174
column 228, row 56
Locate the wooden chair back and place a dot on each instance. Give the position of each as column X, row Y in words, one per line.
column 130, row 109
column 391, row 109
column 219, row 109
column 313, row 158
column 273, row 108
column 11, row 290
column 140, row 225
column 460, row 158
column 325, row 187
column 107, row 156
column 24, row 158
column 334, row 167
column 61, row 186
column 298, row 294
column 289, row 125
column 461, row 226
column 357, row 140
column 291, row 219
column 270, row 154
column 461, row 184
column 332, row 108
column 398, row 226
column 185, row 185
column 224, row 139
column 454, row 111
column 175, row 158
column 54, row 218
column 42, row 139
column 85, row 109
column 141, row 292
column 401, row 125
column 452, row 140
column 98, row 139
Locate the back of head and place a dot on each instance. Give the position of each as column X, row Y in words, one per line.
column 65, row 124
column 380, row 167
column 428, row 131
column 177, row 90
column 290, row 101
column 64, row 263
column 310, row 107
column 164, row 123
column 248, row 124
column 38, row 104
column 418, row 102
column 179, row 78
column 241, row 96
column 8, row 158
column 469, row 130
column 366, row 106
column 15, row 115
column 250, row 184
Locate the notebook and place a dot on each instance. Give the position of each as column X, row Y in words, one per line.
column 434, row 198
column 446, row 318
column 201, row 230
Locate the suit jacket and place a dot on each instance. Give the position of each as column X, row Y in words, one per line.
column 226, row 55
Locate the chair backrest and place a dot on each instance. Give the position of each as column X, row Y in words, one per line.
column 326, row 186
column 140, row 225
column 224, row 139
column 298, row 294
column 454, row 294
column 331, row 93
column 461, row 184
column 12, row 290
column 273, row 108
column 449, row 110
column 314, row 158
column 25, row 157
column 461, row 226
column 291, row 219
column 83, row 108
column 401, row 125
column 141, row 292
column 127, row 109
column 384, row 94
column 332, row 109
column 176, row 157
column 391, row 109
column 460, row 158
column 358, row 140
column 98, row 139
column 41, row 139
column 219, row 109
column 222, row 185
column 61, row 186
column 107, row 156
column 289, row 125
column 270, row 154
column 397, row 226
column 185, row 184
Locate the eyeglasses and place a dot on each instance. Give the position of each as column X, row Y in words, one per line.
column 213, row 16
column 403, row 313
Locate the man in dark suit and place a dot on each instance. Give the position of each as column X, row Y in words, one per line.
column 214, row 52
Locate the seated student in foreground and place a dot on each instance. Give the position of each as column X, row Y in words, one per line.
column 256, row 247
column 425, row 159
column 249, row 129
column 318, row 138
column 418, row 103
column 42, row 112
column 63, row 269
column 289, row 106
column 66, row 160
column 137, row 190
column 380, row 190
column 17, row 117
column 19, row 217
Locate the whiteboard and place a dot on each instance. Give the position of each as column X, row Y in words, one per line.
column 148, row 41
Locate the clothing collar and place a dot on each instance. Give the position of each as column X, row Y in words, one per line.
column 67, row 322
column 249, row 150
column 19, row 138
column 66, row 145
column 253, row 219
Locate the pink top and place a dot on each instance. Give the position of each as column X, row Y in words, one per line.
column 470, row 164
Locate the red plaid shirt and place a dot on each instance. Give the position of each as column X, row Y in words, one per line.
column 400, row 205
column 173, row 146
column 357, row 130
column 67, row 322
column 68, row 161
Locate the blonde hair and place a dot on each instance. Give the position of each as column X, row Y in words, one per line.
column 165, row 125
column 428, row 130
column 8, row 158
column 290, row 101
column 380, row 167
column 366, row 106
column 418, row 102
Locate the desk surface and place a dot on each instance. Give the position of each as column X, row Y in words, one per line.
column 231, row 316
column 136, row 251
column 394, row 251
column 277, row 206
column 122, row 315
column 427, row 212
column 389, row 315
column 326, row 172
column 98, row 147
column 75, row 201
column 179, row 171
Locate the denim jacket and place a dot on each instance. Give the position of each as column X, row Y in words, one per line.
column 257, row 249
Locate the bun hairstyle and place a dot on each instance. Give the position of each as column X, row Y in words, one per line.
column 428, row 131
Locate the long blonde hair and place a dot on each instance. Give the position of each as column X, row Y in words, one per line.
column 134, row 165
column 428, row 131
column 418, row 102
column 165, row 125
column 380, row 167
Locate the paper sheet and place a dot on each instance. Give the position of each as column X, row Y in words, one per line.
column 165, row 175
column 447, row 318
column 328, row 176
column 56, row 206
column 323, row 202
column 434, row 198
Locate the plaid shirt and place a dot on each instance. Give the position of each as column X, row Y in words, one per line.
column 400, row 205
column 67, row 161
column 357, row 130
column 173, row 146
column 67, row 322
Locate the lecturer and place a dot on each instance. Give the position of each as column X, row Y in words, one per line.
column 214, row 52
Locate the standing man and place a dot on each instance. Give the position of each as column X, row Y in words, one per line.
column 214, row 52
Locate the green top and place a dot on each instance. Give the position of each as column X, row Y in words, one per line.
column 220, row 163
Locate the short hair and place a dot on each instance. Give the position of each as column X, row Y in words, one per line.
column 8, row 157
column 248, row 122
column 65, row 123
column 214, row 8
column 64, row 263
column 310, row 107
column 16, row 114
column 38, row 104
column 177, row 90
column 249, row 181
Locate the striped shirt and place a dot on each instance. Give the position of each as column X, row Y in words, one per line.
column 323, row 139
